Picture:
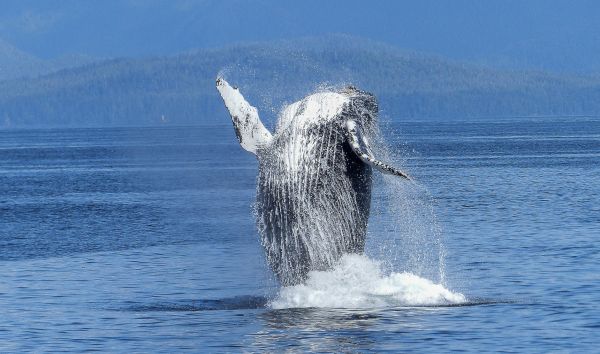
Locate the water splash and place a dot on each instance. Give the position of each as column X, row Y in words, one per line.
column 313, row 194
column 403, row 229
column 360, row 282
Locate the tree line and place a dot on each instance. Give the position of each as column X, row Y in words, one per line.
column 180, row 89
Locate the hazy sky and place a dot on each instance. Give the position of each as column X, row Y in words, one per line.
column 555, row 35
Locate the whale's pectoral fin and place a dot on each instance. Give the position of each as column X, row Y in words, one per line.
column 360, row 146
column 250, row 131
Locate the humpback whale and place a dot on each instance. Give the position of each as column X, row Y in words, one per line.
column 315, row 176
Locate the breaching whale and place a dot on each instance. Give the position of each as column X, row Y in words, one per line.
column 315, row 176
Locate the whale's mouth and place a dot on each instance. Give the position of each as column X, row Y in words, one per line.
column 359, row 282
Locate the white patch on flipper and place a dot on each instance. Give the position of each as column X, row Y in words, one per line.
column 250, row 131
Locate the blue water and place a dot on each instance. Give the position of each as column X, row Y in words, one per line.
column 143, row 239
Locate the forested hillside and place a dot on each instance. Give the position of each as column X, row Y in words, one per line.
column 180, row 89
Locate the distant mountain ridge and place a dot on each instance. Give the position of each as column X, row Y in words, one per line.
column 559, row 36
column 180, row 89
column 15, row 63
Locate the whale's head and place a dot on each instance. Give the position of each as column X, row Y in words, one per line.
column 353, row 110
column 323, row 107
column 361, row 106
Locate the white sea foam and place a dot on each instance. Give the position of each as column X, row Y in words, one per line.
column 359, row 282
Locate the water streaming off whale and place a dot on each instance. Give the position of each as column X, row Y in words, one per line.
column 356, row 280
column 314, row 184
column 314, row 200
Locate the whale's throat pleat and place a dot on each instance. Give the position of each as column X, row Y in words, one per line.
column 313, row 200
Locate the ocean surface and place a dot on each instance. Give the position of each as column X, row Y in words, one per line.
column 143, row 240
